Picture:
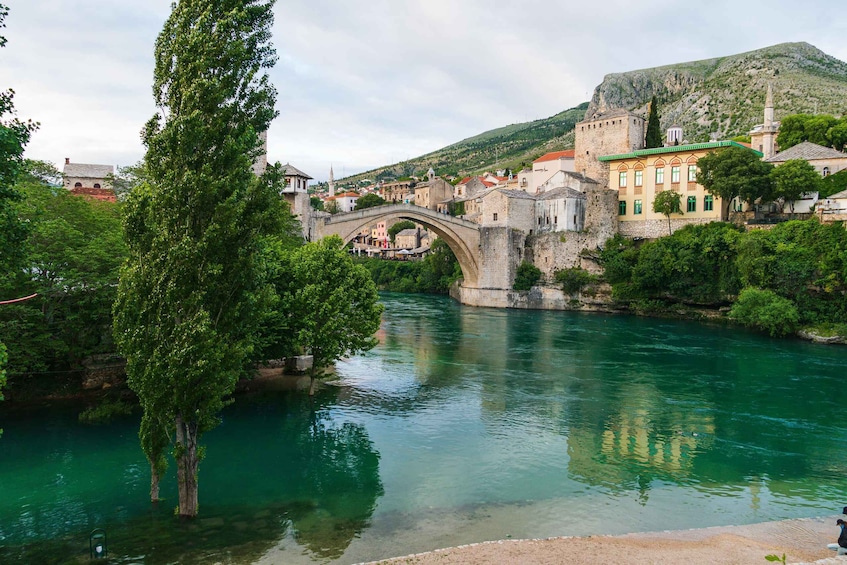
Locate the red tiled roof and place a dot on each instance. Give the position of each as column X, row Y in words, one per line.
column 555, row 155
column 465, row 180
column 488, row 184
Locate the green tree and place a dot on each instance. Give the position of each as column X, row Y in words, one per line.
column 832, row 184
column 193, row 293
column 332, row 304
column 3, row 358
column 735, row 172
column 765, row 310
column 792, row 179
column 332, row 207
column 792, row 130
column 654, row 133
column 14, row 135
column 817, row 129
column 369, row 201
column 527, row 276
column 316, row 203
column 837, row 134
column 74, row 252
column 398, row 227
column 666, row 203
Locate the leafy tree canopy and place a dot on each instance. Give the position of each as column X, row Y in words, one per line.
column 821, row 129
column 526, row 276
column 735, row 172
column 666, row 202
column 792, row 179
column 369, row 200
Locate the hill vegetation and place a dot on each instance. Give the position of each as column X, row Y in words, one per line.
column 722, row 97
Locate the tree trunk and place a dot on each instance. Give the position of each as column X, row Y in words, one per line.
column 669, row 226
column 187, row 463
column 154, row 483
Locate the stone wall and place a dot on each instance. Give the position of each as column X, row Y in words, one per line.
column 652, row 229
column 539, row 298
column 557, row 251
column 601, row 213
column 501, row 250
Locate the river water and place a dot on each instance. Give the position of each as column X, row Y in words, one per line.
column 463, row 425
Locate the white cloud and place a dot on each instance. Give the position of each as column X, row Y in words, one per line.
column 362, row 84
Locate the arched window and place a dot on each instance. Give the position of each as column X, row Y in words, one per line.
column 826, row 171
column 96, row 185
column 78, row 185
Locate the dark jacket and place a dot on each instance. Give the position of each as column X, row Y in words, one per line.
column 842, row 539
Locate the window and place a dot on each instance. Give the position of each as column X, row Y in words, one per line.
column 708, row 203
column 78, row 185
column 692, row 173
column 495, row 216
column 96, row 185
column 660, row 176
column 555, row 220
column 692, row 203
column 622, row 208
column 826, row 171
column 622, row 179
column 636, row 209
column 639, row 178
column 675, row 174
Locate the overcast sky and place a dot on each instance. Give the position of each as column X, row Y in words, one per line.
column 369, row 83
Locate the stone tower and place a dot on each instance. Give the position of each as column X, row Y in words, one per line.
column 610, row 133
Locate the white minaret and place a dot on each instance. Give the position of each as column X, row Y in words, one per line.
column 769, row 131
column 331, row 182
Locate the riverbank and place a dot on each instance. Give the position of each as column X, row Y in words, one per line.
column 802, row 541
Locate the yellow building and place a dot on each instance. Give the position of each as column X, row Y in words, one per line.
column 638, row 176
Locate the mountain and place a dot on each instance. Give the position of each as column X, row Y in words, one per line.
column 725, row 96
column 722, row 97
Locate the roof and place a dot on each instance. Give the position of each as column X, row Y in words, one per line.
column 556, row 155
column 676, row 149
column 344, row 195
column 808, row 151
column 512, row 193
column 81, row 170
column 465, row 180
column 560, row 192
column 837, row 195
column 407, row 231
column 290, row 170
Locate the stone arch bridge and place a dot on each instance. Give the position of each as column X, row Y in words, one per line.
column 462, row 236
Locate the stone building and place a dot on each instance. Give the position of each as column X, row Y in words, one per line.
column 346, row 201
column 398, row 192
column 433, row 192
column 639, row 175
column 296, row 183
column 544, row 168
column 503, row 207
column 826, row 160
column 613, row 132
column 87, row 180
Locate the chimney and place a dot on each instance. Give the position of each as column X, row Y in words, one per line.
column 67, row 160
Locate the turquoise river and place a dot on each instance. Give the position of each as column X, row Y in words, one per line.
column 462, row 425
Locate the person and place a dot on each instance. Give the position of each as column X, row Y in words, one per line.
column 842, row 538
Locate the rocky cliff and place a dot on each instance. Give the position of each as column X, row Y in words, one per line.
column 725, row 96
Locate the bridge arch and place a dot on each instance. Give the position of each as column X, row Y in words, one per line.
column 460, row 235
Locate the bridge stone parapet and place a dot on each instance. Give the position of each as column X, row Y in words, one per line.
column 462, row 236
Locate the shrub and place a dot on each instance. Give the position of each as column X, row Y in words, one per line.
column 575, row 279
column 527, row 276
column 765, row 310
column 105, row 412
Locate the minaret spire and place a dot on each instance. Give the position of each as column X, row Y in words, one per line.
column 331, row 182
column 769, row 107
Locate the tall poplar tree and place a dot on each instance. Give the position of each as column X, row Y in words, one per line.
column 654, row 132
column 191, row 296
